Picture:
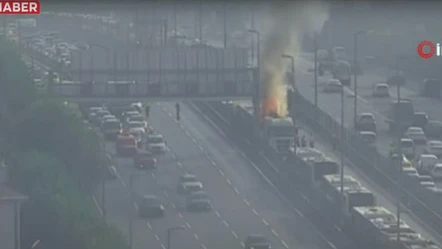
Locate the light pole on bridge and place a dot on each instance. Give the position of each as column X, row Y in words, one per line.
column 258, row 77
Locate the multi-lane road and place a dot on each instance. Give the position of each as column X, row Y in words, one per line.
column 244, row 203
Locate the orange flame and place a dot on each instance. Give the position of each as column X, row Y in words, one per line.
column 269, row 107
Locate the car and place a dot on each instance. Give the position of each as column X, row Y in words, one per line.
column 428, row 184
column 106, row 118
column 436, row 171
column 434, row 147
column 420, row 119
column 381, row 91
column 111, row 129
column 425, row 178
column 126, row 145
column 333, row 86
column 426, row 162
column 137, row 129
column 95, row 109
column 144, row 160
column 188, row 188
column 411, row 172
column 99, row 115
column 433, row 129
column 138, row 106
column 155, row 143
column 407, row 147
column 416, row 134
column 128, row 114
column 366, row 122
column 138, row 118
column 199, row 205
column 150, row 207
column 197, row 196
column 256, row 241
column 368, row 137
column 188, row 178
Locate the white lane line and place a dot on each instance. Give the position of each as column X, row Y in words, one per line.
column 170, row 114
column 196, row 236
column 285, row 244
column 188, row 134
column 180, row 215
column 97, row 205
column 254, row 211
column 181, row 126
column 299, row 213
column 162, row 246
column 213, row 163
column 218, row 214
column 179, row 164
column 234, row 234
column 265, row 222
column 188, row 225
column 246, row 202
column 275, row 233
column 229, row 182
column 221, row 172
column 225, row 223
column 173, row 205
column 236, row 190
column 193, row 140
column 269, row 163
column 203, row 246
column 242, row 244
column 199, row 147
column 156, row 237
column 149, row 225
column 331, row 245
column 153, row 176
column 173, row 156
column 136, row 207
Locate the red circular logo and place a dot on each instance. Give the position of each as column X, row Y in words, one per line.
column 422, row 53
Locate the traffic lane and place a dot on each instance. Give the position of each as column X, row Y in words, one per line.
column 262, row 200
column 119, row 207
column 208, row 229
column 382, row 197
column 144, row 184
column 229, row 204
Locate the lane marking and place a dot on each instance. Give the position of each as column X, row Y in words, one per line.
column 170, row 115
column 265, row 222
column 225, row 223
column 188, row 225
column 97, row 205
column 242, row 244
column 236, row 190
column 218, row 214
column 228, row 182
column 188, row 134
column 254, row 211
column 193, row 140
column 173, row 156
column 275, row 233
column 156, row 237
column 181, row 126
column 221, row 172
column 234, row 234
column 166, row 194
column 153, row 176
column 213, row 163
column 162, row 246
column 299, row 213
column 199, row 147
column 149, row 225
column 203, row 246
column 173, row 205
column 285, row 244
column 246, row 202
column 180, row 215
column 331, row 245
column 196, row 236
column 179, row 164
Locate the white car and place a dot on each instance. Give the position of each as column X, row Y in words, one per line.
column 410, row 171
column 434, row 147
column 416, row 134
column 190, row 187
column 407, row 147
column 426, row 162
column 368, row 137
column 381, row 90
column 436, row 172
column 137, row 129
column 333, row 86
column 155, row 143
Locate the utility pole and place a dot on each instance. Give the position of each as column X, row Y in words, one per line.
column 175, row 18
column 131, row 180
column 103, row 183
column 200, row 21
column 225, row 24
column 316, row 68
column 342, row 140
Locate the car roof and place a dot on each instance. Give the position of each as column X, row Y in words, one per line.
column 334, row 81
column 366, row 114
column 434, row 142
column 193, row 184
column 367, row 133
column 428, row 156
column 406, row 140
column 188, row 176
column 382, row 85
column 414, row 128
column 150, row 197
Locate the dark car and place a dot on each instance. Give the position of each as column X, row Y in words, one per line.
column 420, row 119
column 256, row 241
column 111, row 129
column 144, row 160
column 199, row 205
column 433, row 129
column 198, row 195
column 150, row 207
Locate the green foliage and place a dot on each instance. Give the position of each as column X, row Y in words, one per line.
column 57, row 130
column 54, row 154
column 59, row 206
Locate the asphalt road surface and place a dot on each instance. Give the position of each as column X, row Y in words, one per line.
column 244, row 203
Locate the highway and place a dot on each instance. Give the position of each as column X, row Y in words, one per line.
column 244, row 203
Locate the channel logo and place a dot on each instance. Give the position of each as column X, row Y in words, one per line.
column 427, row 49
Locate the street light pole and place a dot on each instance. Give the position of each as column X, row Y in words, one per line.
column 316, row 68
column 292, row 63
column 131, row 179
column 342, row 140
column 258, row 87
column 200, row 21
column 175, row 18
column 169, row 234
column 355, row 61
column 225, row 24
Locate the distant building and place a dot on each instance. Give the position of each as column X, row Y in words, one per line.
column 10, row 202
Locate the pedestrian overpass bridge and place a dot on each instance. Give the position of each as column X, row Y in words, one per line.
column 128, row 74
